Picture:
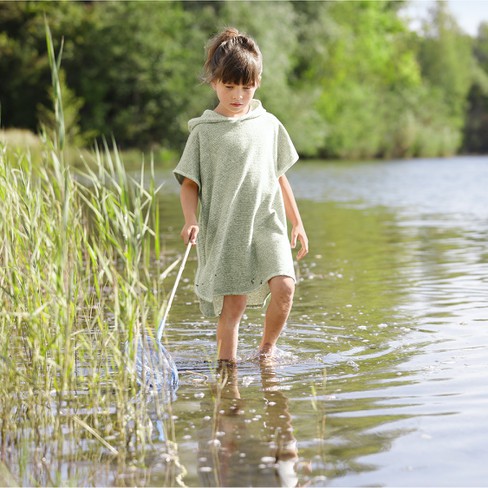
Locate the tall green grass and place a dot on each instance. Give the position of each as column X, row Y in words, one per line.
column 79, row 268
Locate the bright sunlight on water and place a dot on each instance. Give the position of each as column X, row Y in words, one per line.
column 383, row 380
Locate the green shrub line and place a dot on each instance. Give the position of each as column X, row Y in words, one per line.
column 349, row 80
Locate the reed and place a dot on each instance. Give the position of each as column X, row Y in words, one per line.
column 79, row 277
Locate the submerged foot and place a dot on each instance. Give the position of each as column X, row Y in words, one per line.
column 268, row 357
column 272, row 356
column 267, row 350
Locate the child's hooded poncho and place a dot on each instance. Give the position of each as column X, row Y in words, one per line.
column 243, row 242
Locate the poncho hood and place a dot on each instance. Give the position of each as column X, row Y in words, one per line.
column 212, row 117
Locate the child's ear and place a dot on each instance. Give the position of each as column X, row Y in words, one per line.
column 213, row 84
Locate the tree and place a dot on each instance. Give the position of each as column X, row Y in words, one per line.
column 476, row 128
column 358, row 55
column 446, row 59
column 137, row 67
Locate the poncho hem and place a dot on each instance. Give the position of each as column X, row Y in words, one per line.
column 261, row 304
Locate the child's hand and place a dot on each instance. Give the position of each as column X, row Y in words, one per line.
column 298, row 232
column 189, row 233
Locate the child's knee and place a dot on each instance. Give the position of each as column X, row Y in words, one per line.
column 282, row 291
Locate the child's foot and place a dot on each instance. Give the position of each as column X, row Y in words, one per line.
column 265, row 355
column 267, row 350
column 272, row 355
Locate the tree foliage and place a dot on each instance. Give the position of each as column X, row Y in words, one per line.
column 348, row 79
column 476, row 127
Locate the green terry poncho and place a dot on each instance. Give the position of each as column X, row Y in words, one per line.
column 243, row 241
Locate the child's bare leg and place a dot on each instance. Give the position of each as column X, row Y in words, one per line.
column 228, row 326
column 282, row 289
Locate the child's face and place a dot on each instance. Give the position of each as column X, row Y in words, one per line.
column 234, row 100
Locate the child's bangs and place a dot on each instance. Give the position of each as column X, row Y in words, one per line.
column 241, row 71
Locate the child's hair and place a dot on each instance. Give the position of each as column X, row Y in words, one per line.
column 234, row 58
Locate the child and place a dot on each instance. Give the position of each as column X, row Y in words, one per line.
column 234, row 163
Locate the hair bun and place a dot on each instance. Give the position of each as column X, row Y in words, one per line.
column 232, row 55
column 229, row 33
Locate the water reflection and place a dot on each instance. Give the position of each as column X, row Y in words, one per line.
column 247, row 441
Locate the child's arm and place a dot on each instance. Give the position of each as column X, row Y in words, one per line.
column 291, row 208
column 189, row 205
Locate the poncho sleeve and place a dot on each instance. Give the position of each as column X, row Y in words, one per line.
column 286, row 155
column 189, row 164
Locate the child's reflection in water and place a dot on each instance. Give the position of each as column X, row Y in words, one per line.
column 248, row 441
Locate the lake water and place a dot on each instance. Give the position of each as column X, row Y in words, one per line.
column 385, row 378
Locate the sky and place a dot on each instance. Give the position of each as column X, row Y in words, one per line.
column 468, row 13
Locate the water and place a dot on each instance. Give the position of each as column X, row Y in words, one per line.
column 385, row 379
